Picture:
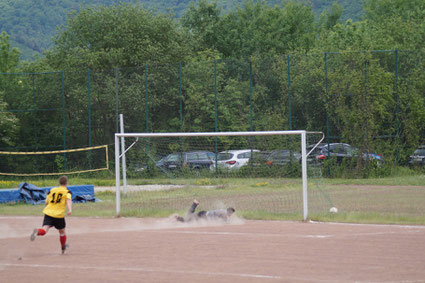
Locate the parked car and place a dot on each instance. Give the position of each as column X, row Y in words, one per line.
column 341, row 151
column 142, row 166
column 233, row 159
column 314, row 152
column 194, row 160
column 418, row 157
column 279, row 162
column 282, row 157
column 258, row 158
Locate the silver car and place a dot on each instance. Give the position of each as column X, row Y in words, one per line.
column 233, row 159
column 418, row 157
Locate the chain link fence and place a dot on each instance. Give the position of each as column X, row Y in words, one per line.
column 373, row 100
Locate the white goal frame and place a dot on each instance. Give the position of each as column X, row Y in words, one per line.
column 304, row 154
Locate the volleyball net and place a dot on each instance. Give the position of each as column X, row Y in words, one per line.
column 55, row 162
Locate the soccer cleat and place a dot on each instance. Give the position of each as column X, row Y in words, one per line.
column 34, row 234
column 64, row 248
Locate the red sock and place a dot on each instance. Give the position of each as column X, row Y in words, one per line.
column 62, row 239
column 41, row 232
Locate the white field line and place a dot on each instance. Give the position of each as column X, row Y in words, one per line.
column 244, row 234
column 369, row 225
column 320, row 236
column 143, row 269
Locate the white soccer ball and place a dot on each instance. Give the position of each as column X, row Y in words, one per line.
column 333, row 210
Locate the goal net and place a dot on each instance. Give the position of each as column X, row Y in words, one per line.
column 57, row 162
column 261, row 174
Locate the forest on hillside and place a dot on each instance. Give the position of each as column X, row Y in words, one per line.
column 32, row 24
column 254, row 68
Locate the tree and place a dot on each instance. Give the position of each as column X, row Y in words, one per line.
column 396, row 24
column 9, row 59
column 254, row 28
column 400, row 24
column 123, row 35
column 94, row 42
column 202, row 22
column 329, row 18
column 353, row 36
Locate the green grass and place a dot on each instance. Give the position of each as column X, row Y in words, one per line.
column 400, row 177
column 258, row 198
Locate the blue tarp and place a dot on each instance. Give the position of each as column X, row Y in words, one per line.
column 31, row 194
column 9, row 196
column 34, row 195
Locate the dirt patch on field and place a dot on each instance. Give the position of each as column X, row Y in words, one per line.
column 156, row 250
column 151, row 188
column 133, row 188
column 380, row 187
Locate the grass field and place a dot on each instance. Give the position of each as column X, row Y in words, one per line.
column 398, row 199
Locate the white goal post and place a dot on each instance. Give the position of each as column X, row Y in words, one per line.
column 303, row 150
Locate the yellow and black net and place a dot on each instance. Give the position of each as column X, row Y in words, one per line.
column 57, row 162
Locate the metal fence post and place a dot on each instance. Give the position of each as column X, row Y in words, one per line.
column 397, row 108
column 89, row 103
column 327, row 104
column 63, row 118
column 116, row 100
column 89, row 110
column 181, row 105
column 366, row 111
column 289, row 93
column 250, row 107
column 34, row 100
column 250, row 94
column 215, row 112
column 146, row 110
column 180, row 96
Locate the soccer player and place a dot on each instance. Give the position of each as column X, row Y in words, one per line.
column 54, row 212
column 218, row 214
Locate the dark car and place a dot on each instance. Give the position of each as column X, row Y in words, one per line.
column 282, row 157
column 313, row 151
column 194, row 160
column 418, row 157
column 278, row 157
column 142, row 166
column 341, row 151
column 258, row 158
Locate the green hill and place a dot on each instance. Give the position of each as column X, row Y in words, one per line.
column 32, row 24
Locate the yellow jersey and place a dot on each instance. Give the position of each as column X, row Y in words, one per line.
column 56, row 202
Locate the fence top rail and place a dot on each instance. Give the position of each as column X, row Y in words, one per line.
column 37, row 73
column 213, row 134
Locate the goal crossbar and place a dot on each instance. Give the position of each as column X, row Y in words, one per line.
column 212, row 134
column 303, row 149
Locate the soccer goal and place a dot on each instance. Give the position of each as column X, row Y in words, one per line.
column 263, row 172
